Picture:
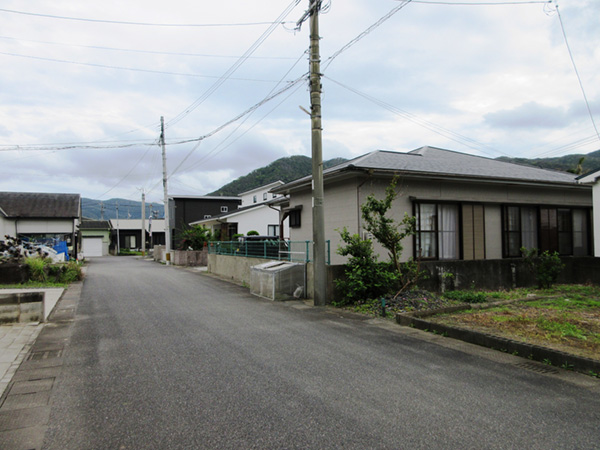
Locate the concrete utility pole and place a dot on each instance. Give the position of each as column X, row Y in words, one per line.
column 143, row 223
column 318, row 217
column 118, row 233
column 166, row 193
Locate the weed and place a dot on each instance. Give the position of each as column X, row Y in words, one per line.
column 547, row 361
column 567, row 366
column 466, row 296
column 37, row 268
column 515, row 353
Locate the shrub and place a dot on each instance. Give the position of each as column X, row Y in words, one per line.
column 70, row 272
column 37, row 268
column 253, row 233
column 546, row 266
column 365, row 277
column 194, row 237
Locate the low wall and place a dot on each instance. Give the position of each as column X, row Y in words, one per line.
column 190, row 257
column 235, row 268
column 502, row 273
column 22, row 307
column 13, row 273
column 484, row 274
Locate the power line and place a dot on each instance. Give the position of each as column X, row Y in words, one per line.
column 105, row 66
column 482, row 3
column 227, row 75
column 150, row 52
column 449, row 134
column 366, row 32
column 587, row 103
column 119, row 22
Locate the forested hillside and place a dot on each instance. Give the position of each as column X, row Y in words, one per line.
column 284, row 169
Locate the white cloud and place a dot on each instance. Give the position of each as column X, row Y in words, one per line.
column 500, row 76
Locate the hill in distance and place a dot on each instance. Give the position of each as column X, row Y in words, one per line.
column 294, row 167
column 567, row 163
column 127, row 209
column 284, row 169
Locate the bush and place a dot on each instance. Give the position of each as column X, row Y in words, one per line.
column 365, row 277
column 195, row 237
column 37, row 268
column 546, row 266
column 70, row 272
column 253, row 233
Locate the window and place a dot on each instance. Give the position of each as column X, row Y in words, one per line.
column 207, row 216
column 273, row 230
column 265, row 196
column 274, row 195
column 254, row 199
column 295, row 218
column 562, row 230
column 224, row 209
column 520, row 229
column 437, row 234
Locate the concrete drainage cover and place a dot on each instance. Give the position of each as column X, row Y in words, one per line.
column 38, row 356
column 537, row 367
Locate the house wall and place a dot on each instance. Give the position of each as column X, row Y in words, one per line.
column 104, row 234
column 343, row 199
column 27, row 226
column 257, row 219
column 7, row 227
column 596, row 218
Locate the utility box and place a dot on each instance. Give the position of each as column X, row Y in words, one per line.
column 278, row 280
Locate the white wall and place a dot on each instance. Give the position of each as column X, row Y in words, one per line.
column 7, row 227
column 258, row 219
column 25, row 226
column 596, row 218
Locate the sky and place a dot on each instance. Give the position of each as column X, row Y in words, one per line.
column 83, row 86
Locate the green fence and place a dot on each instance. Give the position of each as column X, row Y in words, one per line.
column 295, row 251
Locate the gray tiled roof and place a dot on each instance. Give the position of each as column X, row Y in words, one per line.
column 95, row 225
column 40, row 205
column 435, row 161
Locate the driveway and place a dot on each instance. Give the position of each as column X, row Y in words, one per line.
column 164, row 358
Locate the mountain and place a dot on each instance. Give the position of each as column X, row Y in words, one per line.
column 128, row 209
column 567, row 163
column 284, row 169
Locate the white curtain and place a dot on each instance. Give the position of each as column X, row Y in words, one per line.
column 529, row 238
column 448, row 231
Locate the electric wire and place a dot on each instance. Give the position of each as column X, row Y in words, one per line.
column 587, row 103
column 120, row 22
column 227, row 75
column 247, row 117
column 529, row 2
column 149, row 52
column 365, row 33
column 444, row 132
column 133, row 69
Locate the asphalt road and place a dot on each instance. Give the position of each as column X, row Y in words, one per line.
column 163, row 358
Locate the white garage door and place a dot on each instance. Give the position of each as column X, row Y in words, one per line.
column 92, row 246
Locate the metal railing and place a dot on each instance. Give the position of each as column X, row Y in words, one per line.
column 283, row 250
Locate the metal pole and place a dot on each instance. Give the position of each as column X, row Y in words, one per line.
column 319, row 267
column 118, row 232
column 143, row 223
column 166, row 195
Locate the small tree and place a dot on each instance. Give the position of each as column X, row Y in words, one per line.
column 194, row 237
column 365, row 277
column 390, row 234
column 546, row 266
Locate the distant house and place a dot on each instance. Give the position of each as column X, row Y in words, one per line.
column 186, row 209
column 256, row 213
column 41, row 217
column 95, row 237
column 467, row 207
column 129, row 232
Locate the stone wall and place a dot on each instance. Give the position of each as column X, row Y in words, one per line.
column 190, row 257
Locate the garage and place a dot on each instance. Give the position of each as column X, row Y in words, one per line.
column 92, row 246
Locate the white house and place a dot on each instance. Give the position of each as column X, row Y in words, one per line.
column 256, row 213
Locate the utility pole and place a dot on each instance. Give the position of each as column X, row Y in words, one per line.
column 318, row 217
column 118, row 234
column 166, row 194
column 143, row 223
